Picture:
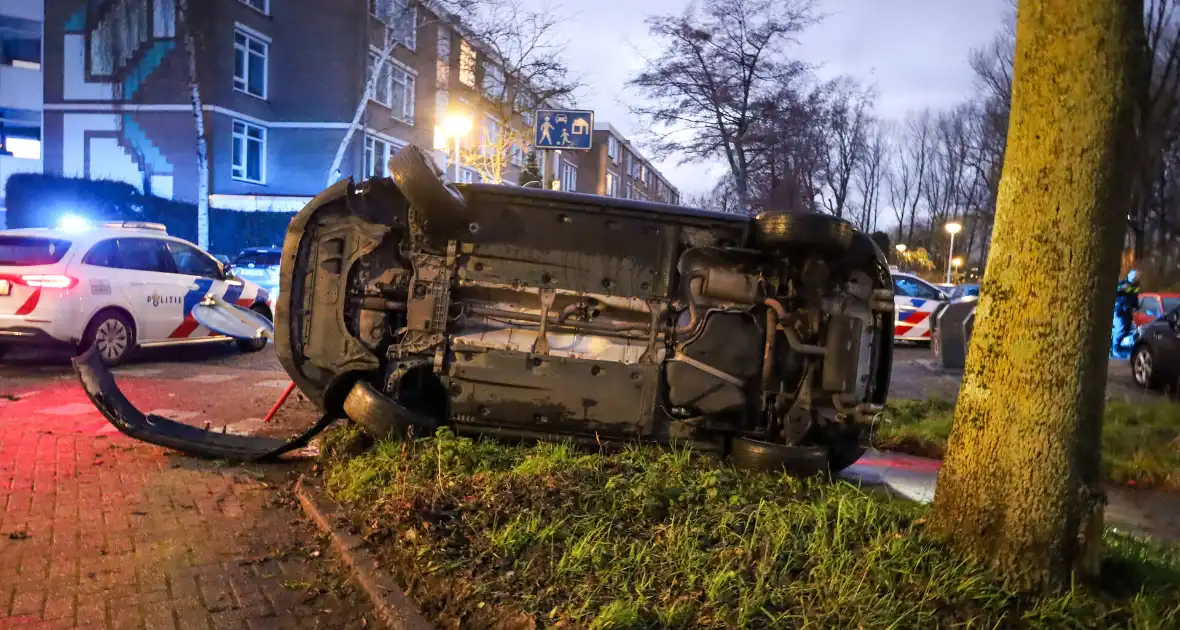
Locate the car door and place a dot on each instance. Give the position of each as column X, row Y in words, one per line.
column 1149, row 309
column 196, row 274
column 915, row 302
column 144, row 277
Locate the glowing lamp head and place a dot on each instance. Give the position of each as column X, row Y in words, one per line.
column 456, row 125
column 957, row 262
column 900, row 247
column 954, row 227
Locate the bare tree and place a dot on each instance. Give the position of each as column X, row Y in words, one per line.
column 192, row 33
column 720, row 67
column 848, row 117
column 523, row 66
column 870, row 176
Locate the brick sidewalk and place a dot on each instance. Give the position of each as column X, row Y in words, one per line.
column 100, row 531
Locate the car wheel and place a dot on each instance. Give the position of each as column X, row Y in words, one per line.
column 422, row 184
column 382, row 417
column 112, row 334
column 769, row 457
column 1143, row 367
column 255, row 345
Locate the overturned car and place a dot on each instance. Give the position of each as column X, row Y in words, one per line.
column 407, row 304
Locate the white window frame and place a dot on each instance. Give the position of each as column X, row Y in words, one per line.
column 492, row 70
column 373, row 146
column 265, row 10
column 239, row 171
column 468, row 176
column 408, row 86
column 612, row 184
column 569, row 176
column 612, row 149
column 251, row 34
column 375, row 10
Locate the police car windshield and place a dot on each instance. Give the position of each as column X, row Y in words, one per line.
column 265, row 259
column 26, row 251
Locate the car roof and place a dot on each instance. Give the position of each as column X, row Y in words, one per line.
column 1163, row 294
column 94, row 234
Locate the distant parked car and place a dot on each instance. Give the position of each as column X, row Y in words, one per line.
column 962, row 291
column 259, row 265
column 1155, row 358
column 1152, row 306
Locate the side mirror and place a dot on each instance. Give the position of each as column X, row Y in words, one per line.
column 227, row 271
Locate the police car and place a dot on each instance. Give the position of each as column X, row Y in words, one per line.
column 917, row 302
column 117, row 286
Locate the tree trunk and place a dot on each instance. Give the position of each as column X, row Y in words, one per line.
column 1020, row 486
column 190, row 51
column 361, row 107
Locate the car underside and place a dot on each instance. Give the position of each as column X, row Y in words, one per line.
column 407, row 304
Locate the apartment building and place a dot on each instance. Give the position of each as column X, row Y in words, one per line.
column 614, row 167
column 280, row 84
column 21, row 23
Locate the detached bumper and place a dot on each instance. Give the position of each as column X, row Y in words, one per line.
column 100, row 387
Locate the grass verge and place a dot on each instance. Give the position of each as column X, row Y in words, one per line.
column 1140, row 442
column 487, row 535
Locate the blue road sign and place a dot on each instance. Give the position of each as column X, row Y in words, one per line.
column 564, row 129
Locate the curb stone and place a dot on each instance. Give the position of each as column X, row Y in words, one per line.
column 394, row 609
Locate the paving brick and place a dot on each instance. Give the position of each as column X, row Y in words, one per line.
column 123, row 535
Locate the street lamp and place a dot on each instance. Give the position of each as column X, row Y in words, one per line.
column 953, row 228
column 900, row 247
column 457, row 125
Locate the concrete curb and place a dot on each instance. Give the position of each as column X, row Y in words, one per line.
column 394, row 609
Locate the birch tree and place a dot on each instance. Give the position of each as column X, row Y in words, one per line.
column 1020, row 487
column 191, row 32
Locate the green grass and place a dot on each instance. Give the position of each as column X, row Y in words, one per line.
column 1140, row 442
column 479, row 532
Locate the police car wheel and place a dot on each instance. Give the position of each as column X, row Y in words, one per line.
column 255, row 345
column 112, row 334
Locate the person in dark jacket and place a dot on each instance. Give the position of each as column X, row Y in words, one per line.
column 1126, row 302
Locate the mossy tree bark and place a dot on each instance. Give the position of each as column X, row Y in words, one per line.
column 1020, row 487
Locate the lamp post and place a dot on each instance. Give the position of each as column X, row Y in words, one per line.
column 953, row 228
column 457, row 125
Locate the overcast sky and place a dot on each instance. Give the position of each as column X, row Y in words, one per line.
column 914, row 51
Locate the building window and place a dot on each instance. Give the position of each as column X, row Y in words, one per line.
column 493, row 82
column 394, row 88
column 489, row 140
column 612, row 184
column 262, row 6
column 569, row 176
column 627, row 161
column 400, row 18
column 612, row 149
column 467, row 58
column 250, row 61
column 20, row 43
column 20, row 133
column 467, row 176
column 643, row 173
column 249, row 153
column 377, row 153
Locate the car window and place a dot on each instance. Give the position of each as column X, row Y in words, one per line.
column 103, row 254
column 144, row 254
column 26, row 251
column 192, row 261
column 909, row 287
column 264, row 259
column 1150, row 305
column 970, row 290
column 1170, row 304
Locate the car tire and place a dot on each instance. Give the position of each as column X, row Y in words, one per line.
column 423, row 185
column 381, row 417
column 779, row 229
column 255, row 345
column 1143, row 367
column 803, row 461
column 3, row 351
column 114, row 335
